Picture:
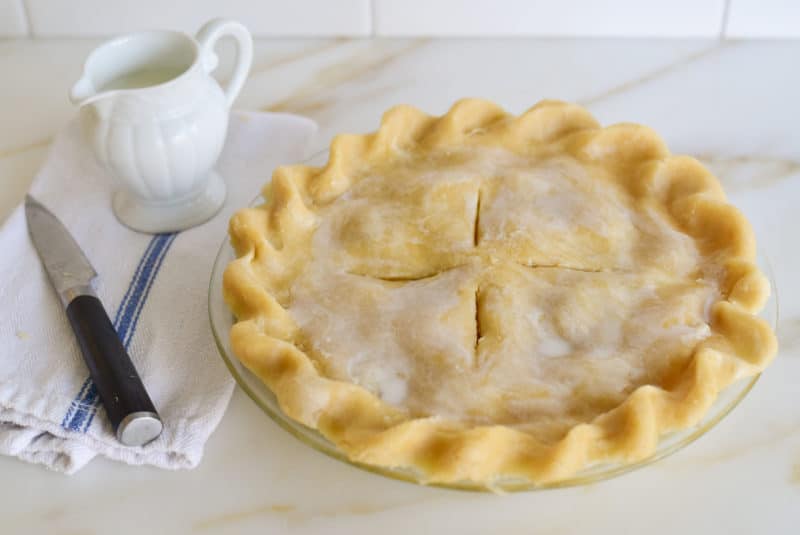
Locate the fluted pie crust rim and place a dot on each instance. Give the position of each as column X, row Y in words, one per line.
column 370, row 431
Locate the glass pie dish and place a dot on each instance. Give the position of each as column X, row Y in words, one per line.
column 222, row 320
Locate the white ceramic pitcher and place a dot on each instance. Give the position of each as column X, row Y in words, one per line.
column 157, row 121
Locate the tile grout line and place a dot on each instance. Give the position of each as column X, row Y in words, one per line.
column 726, row 11
column 371, row 8
column 26, row 18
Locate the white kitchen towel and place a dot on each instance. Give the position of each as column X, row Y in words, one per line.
column 155, row 290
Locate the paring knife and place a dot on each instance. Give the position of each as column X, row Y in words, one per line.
column 127, row 404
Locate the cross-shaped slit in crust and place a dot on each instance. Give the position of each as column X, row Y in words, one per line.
column 477, row 254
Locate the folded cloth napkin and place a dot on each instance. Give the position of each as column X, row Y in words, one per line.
column 155, row 289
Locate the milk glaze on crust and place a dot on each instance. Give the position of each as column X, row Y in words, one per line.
column 480, row 297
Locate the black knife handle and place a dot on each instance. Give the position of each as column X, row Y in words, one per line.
column 117, row 381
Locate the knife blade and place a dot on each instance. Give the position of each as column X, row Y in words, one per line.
column 128, row 406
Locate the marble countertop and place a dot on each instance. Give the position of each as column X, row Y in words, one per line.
column 733, row 104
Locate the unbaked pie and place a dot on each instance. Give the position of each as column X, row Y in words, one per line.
column 480, row 297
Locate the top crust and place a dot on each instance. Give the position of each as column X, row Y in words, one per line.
column 636, row 215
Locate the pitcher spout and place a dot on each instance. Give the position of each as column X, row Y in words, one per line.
column 84, row 94
column 82, row 91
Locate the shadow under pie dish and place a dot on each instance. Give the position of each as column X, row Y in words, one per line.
column 478, row 298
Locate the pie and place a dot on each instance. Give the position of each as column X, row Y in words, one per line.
column 481, row 297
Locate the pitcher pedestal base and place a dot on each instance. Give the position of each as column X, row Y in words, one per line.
column 170, row 217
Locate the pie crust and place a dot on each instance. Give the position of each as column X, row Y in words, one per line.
column 481, row 297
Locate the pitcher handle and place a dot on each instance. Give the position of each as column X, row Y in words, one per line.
column 209, row 34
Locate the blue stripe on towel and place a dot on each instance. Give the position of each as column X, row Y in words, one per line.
column 130, row 328
column 81, row 411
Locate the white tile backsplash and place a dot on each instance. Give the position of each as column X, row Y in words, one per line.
column 763, row 18
column 264, row 17
column 12, row 19
column 656, row 18
column 402, row 18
